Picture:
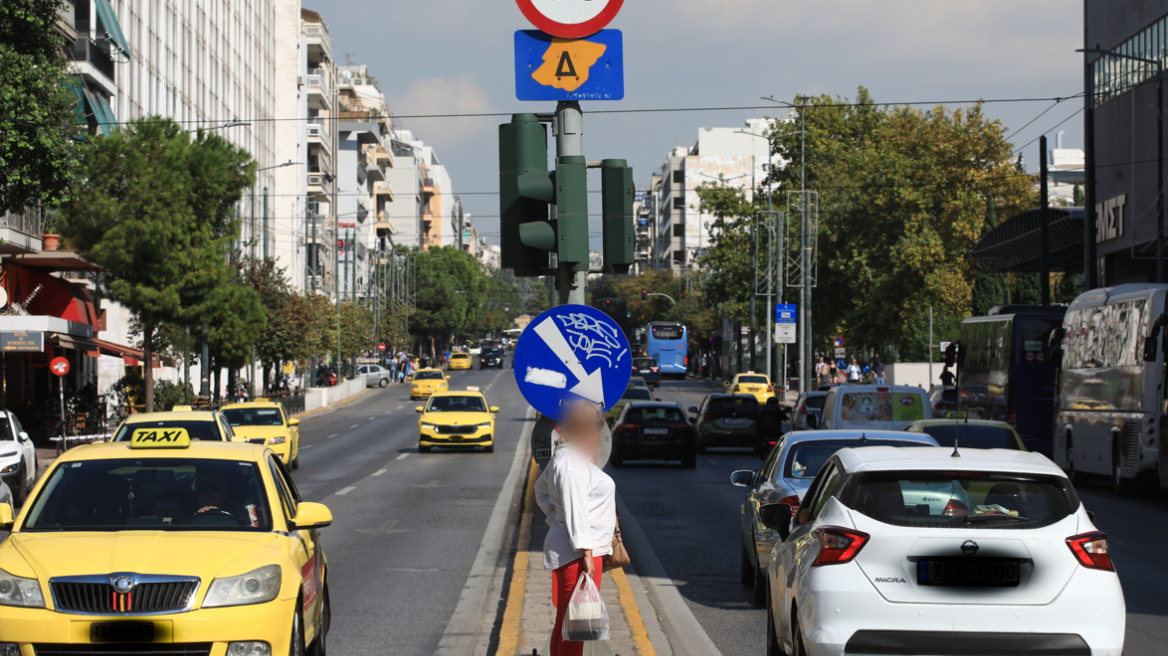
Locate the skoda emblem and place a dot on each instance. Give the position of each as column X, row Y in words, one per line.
column 122, row 584
column 969, row 547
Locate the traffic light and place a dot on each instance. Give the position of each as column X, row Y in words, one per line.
column 527, row 189
column 616, row 179
column 644, row 294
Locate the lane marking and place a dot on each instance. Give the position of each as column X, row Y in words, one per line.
column 402, row 456
column 331, row 436
column 379, row 472
column 632, row 613
column 511, row 632
column 373, row 419
column 307, row 446
column 354, row 426
column 346, row 490
column 408, row 569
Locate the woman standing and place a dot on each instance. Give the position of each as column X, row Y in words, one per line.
column 580, row 503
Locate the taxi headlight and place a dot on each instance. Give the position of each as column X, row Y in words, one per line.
column 429, row 427
column 255, row 587
column 15, row 591
column 251, row 648
column 277, row 440
column 482, row 426
column 9, row 649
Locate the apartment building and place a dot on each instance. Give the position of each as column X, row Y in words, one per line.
column 406, row 178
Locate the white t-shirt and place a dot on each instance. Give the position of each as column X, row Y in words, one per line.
column 853, row 372
column 579, row 500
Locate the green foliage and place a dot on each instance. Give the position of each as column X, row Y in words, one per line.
column 356, row 330
column 38, row 125
column 729, row 254
column 989, row 289
column 295, row 325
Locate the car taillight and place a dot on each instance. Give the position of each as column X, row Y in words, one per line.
column 955, row 508
column 627, row 427
column 654, row 368
column 1012, row 417
column 686, row 360
column 770, row 389
column 838, row 545
column 802, row 409
column 684, row 428
column 792, row 501
column 735, row 388
column 707, row 415
column 1091, row 550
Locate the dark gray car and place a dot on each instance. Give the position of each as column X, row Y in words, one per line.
column 726, row 420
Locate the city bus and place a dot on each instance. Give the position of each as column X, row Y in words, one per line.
column 1110, row 405
column 667, row 342
column 1001, row 373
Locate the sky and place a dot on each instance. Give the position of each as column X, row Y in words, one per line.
column 457, row 57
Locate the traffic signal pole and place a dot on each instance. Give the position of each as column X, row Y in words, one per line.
column 569, row 131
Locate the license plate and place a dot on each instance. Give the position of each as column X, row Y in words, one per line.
column 992, row 573
column 656, row 431
column 543, row 454
column 736, row 422
column 121, row 632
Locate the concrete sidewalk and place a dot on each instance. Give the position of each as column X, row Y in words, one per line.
column 529, row 616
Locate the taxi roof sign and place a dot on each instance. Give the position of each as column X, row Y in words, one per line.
column 956, row 414
column 182, row 408
column 472, row 388
column 160, row 438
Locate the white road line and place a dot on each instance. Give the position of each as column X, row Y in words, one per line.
column 402, row 456
column 346, row 490
column 332, row 436
column 307, row 446
column 373, row 419
column 379, row 472
column 354, row 426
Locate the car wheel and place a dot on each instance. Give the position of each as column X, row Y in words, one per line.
column 701, row 446
column 489, row 449
column 423, row 449
column 296, row 462
column 760, row 587
column 1119, row 484
column 773, row 648
column 384, row 382
column 320, row 644
column 296, row 647
column 747, row 573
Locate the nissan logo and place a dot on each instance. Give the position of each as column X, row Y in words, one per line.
column 969, row 547
column 122, row 584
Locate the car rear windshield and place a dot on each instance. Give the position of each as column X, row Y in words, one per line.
column 974, row 437
column 961, row 500
column 747, row 406
column 152, row 494
column 815, row 402
column 254, row 416
column 198, row 430
column 492, row 352
column 637, row 394
column 428, row 375
column 460, row 356
column 641, row 363
column 666, row 332
column 753, row 380
column 638, row 415
column 457, row 404
column 805, row 459
column 881, row 406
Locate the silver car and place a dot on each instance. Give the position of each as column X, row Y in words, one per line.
column 808, row 408
column 375, row 375
column 785, row 477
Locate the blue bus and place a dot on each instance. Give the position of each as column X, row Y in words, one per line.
column 667, row 342
column 1001, row 374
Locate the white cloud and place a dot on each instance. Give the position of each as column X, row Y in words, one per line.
column 437, row 95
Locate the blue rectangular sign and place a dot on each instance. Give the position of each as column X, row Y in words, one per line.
column 550, row 68
column 785, row 313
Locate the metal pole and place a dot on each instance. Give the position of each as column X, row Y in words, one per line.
column 753, row 294
column 772, row 232
column 804, row 310
column 1160, row 274
column 570, row 142
column 308, row 245
column 265, row 227
column 205, row 365
column 1044, row 222
column 1089, row 277
column 930, row 347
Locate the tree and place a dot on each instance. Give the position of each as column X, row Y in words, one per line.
column 39, row 153
column 356, row 329
column 989, row 289
column 156, row 212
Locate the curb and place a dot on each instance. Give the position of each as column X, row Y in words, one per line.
column 333, row 406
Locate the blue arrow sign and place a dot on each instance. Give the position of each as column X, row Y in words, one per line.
column 548, row 68
column 572, row 352
column 785, row 313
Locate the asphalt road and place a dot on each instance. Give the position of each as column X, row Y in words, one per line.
column 408, row 525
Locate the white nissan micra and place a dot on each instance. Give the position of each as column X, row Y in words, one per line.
column 930, row 550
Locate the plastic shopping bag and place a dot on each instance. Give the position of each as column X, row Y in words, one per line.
column 587, row 618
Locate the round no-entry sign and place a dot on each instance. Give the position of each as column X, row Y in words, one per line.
column 59, row 366
column 381, row 347
column 570, row 19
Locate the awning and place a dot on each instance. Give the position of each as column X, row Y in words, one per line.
column 51, row 261
column 76, row 343
column 113, row 29
column 1015, row 246
column 94, row 104
column 80, row 110
column 131, row 355
column 109, row 120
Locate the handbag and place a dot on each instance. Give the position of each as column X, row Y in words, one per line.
column 620, row 556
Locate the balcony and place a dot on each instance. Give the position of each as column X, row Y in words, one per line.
column 319, row 43
column 21, row 233
column 319, row 185
column 318, row 133
column 427, row 187
column 94, row 62
column 319, row 89
column 383, row 189
column 316, row 230
column 381, row 157
column 427, row 218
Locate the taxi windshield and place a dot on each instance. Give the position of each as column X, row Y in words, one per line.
column 152, row 494
column 457, row 404
column 198, row 430
column 254, row 416
column 428, row 375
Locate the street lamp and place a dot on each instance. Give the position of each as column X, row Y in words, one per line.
column 754, row 256
column 1160, row 273
column 232, row 124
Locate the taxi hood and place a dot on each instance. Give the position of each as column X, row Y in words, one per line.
column 182, row 553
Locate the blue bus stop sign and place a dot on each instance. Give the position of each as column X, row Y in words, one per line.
column 572, row 352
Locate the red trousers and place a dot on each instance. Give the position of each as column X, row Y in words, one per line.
column 564, row 582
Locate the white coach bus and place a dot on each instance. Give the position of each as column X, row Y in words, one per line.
column 1110, row 400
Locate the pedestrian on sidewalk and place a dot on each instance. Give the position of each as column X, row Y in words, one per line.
column 822, row 371
column 854, row 371
column 580, row 503
column 878, row 370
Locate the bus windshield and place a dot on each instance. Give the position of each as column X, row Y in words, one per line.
column 670, row 332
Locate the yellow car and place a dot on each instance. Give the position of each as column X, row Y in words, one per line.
column 757, row 385
column 209, row 426
column 264, row 422
column 969, row 433
column 162, row 544
column 460, row 361
column 427, row 382
column 457, row 419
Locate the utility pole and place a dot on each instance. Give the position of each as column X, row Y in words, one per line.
column 570, row 143
column 930, row 348
column 265, row 251
column 1044, row 222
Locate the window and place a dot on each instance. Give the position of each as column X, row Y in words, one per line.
column 637, row 394
column 974, row 437
column 679, row 256
column 429, row 375
column 746, row 406
column 286, row 498
column 678, row 230
column 826, row 489
column 679, row 202
column 1114, row 76
column 805, row 459
column 254, row 416
column 457, row 404
column 679, row 176
column 667, row 331
column 643, row 414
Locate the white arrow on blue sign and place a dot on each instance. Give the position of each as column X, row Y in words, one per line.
column 572, row 352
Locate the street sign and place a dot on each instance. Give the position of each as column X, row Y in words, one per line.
column 841, row 364
column 944, row 346
column 744, row 330
column 841, row 353
column 59, row 366
column 785, row 322
column 545, row 434
column 548, row 68
column 570, row 19
column 785, row 333
column 381, row 347
column 572, row 352
column 22, row 342
column 837, row 342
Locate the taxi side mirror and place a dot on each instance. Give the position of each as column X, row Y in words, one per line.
column 494, row 408
column 293, row 422
column 311, row 515
column 7, row 518
column 419, row 409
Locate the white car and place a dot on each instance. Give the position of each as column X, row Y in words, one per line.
column 868, row 567
column 475, row 349
column 18, row 462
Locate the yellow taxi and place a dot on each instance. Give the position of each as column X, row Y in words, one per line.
column 457, row 419
column 164, row 544
column 957, row 429
column 758, row 385
column 265, row 422
column 459, row 361
column 426, row 382
column 208, row 426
